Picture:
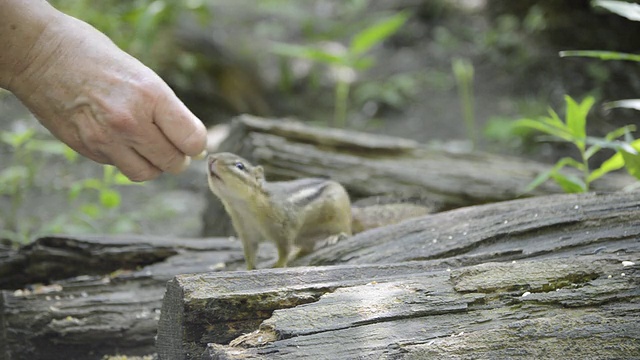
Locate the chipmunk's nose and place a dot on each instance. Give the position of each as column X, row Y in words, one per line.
column 213, row 170
column 212, row 163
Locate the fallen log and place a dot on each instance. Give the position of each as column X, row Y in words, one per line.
column 529, row 309
column 119, row 310
column 109, row 299
column 541, row 227
column 380, row 166
column 555, row 276
column 61, row 257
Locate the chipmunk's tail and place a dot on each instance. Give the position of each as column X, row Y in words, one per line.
column 374, row 216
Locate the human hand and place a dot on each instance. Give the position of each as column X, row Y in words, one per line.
column 104, row 103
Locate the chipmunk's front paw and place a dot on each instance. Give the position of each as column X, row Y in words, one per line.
column 281, row 263
column 334, row 239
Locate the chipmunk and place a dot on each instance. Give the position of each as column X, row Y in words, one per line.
column 299, row 212
column 291, row 213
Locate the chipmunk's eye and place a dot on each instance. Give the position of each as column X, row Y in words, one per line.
column 240, row 166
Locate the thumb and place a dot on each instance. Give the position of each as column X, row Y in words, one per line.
column 179, row 125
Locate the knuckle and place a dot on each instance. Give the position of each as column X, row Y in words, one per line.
column 95, row 140
column 140, row 175
column 123, row 122
column 196, row 141
column 172, row 162
column 146, row 86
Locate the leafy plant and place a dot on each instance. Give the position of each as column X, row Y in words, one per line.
column 573, row 130
column 18, row 181
column 346, row 61
column 394, row 91
column 135, row 26
column 631, row 12
column 108, row 197
column 18, row 178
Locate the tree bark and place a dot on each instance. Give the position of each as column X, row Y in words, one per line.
column 109, row 300
column 553, row 277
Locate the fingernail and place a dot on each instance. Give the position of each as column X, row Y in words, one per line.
column 200, row 156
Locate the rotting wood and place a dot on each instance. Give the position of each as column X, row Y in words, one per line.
column 466, row 273
column 547, row 226
column 120, row 310
column 60, row 257
column 400, row 311
column 89, row 316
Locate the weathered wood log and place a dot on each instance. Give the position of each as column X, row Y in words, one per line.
column 113, row 311
column 557, row 277
column 547, row 226
column 61, row 257
column 374, row 165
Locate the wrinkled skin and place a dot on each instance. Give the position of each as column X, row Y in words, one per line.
column 96, row 98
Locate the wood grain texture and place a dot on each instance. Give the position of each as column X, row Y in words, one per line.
column 405, row 310
column 548, row 226
column 523, row 279
column 103, row 296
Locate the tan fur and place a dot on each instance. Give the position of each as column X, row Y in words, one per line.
column 291, row 213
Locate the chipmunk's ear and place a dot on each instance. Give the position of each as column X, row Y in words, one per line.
column 259, row 172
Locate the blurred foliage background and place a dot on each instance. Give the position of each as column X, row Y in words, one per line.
column 457, row 73
column 222, row 56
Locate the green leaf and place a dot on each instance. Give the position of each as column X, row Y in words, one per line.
column 363, row 63
column 463, row 70
column 107, row 174
column 602, row 55
column 569, row 183
column 567, row 161
column 110, row 198
column 577, row 117
column 378, row 32
column 17, row 139
column 612, row 135
column 151, row 15
column 541, row 178
column 555, row 120
column 546, row 125
column 91, row 210
column 308, row 52
column 619, row 160
column 614, row 163
column 46, row 146
column 70, row 154
column 632, row 160
column 616, row 145
column 628, row 104
column 610, row 141
column 75, row 190
column 622, row 8
column 632, row 163
column 11, row 178
column 92, row 183
column 536, row 125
